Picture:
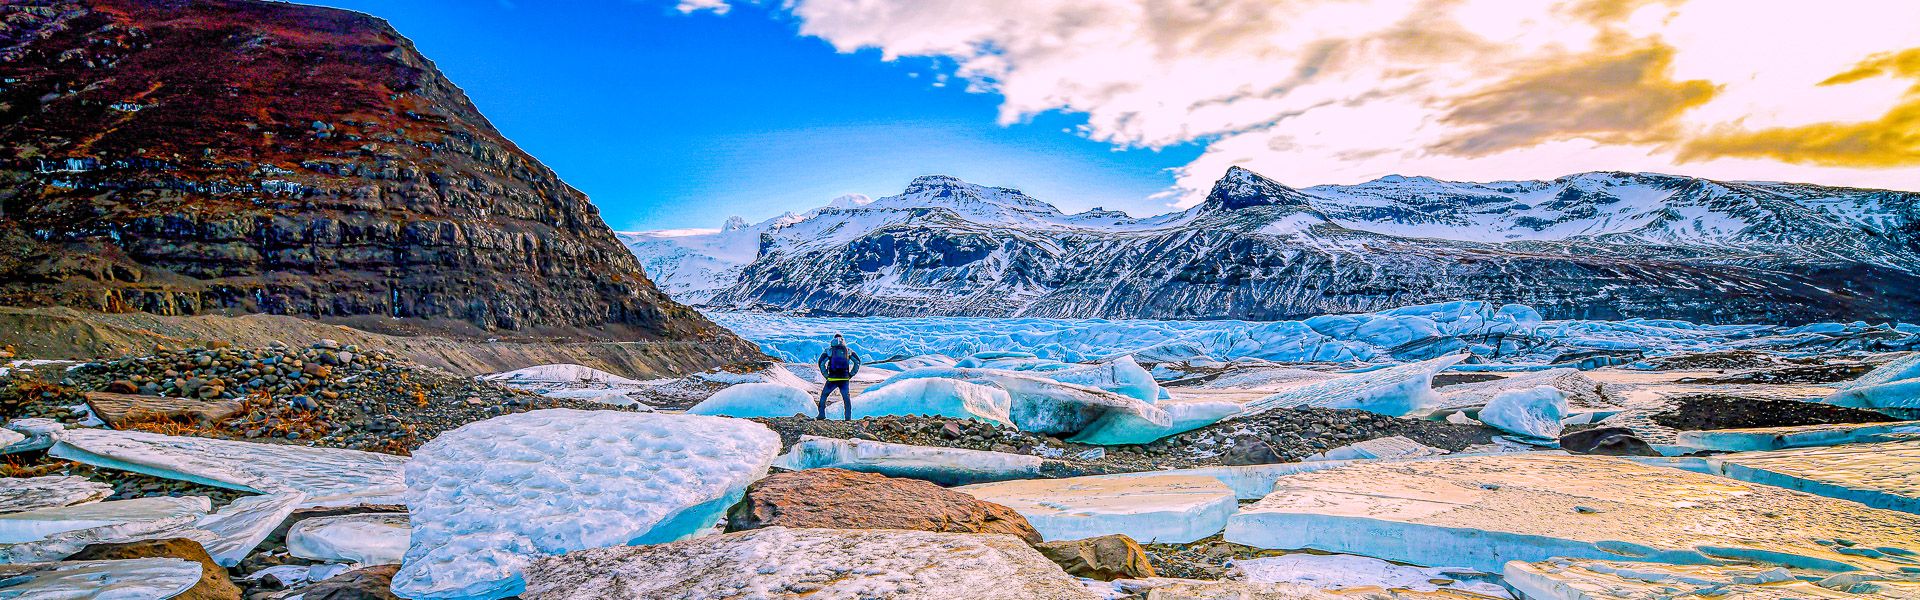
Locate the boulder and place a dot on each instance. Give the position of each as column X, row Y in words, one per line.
column 213, row 584
column 1105, row 558
column 371, row 583
column 842, row 499
column 1249, row 451
column 1610, row 441
column 120, row 410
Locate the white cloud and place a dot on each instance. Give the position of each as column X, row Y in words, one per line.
column 719, row 7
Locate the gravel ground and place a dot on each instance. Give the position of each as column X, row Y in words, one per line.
column 1718, row 411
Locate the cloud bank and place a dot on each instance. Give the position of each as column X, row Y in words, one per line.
column 1341, row 91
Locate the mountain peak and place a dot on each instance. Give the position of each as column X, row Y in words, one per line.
column 734, row 223
column 931, row 183
column 850, row 201
column 1241, row 188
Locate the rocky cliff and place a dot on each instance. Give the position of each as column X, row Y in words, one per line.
column 230, row 156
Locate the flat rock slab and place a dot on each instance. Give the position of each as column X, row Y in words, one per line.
column 1568, row 579
column 325, row 476
column 155, row 578
column 1156, row 508
column 1781, row 438
column 119, row 410
column 1481, row 512
column 817, row 564
column 944, row 466
column 841, row 499
column 1878, row 475
column 34, row 493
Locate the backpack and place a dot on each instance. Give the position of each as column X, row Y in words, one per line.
column 838, row 365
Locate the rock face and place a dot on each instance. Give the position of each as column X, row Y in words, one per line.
column 841, row 499
column 231, row 156
column 1592, row 246
column 1105, row 558
column 213, row 585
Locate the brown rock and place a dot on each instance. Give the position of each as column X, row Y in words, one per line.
column 1105, row 558
column 371, row 583
column 121, row 386
column 1609, row 441
column 213, row 585
column 841, row 499
column 1250, row 451
column 117, row 409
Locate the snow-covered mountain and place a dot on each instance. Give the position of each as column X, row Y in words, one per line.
column 1593, row 245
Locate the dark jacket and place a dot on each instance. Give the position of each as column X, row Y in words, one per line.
column 853, row 361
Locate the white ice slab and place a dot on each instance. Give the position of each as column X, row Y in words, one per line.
column 751, row 400
column 1154, row 508
column 1345, row 571
column 1893, row 388
column 1885, row 475
column 35, row 434
column 777, row 562
column 1035, row 403
column 52, row 491
column 1122, row 376
column 239, row 527
column 9, row 437
column 939, row 397
column 1394, row 447
column 1582, row 392
column 362, row 539
column 559, row 373
column 133, row 579
column 1780, row 438
column 228, row 535
column 1480, row 512
column 1136, row 427
column 326, row 476
column 1395, row 391
column 944, row 466
column 36, row 525
column 488, row 498
column 1571, row 579
column 1532, row 414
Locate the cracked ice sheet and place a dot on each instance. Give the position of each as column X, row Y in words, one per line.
column 489, row 498
column 326, row 476
column 33, row 493
column 1392, row 391
column 132, row 579
column 944, row 466
column 1154, row 508
column 1885, row 475
column 1569, row 579
column 1780, row 438
column 362, row 539
column 36, row 525
column 1480, row 512
column 1345, row 571
column 228, row 535
column 822, row 564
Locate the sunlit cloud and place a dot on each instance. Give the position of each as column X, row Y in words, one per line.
column 1339, row 91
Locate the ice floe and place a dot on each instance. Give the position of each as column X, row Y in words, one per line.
column 1035, row 403
column 1344, row 571
column 131, row 579
column 325, row 476
column 52, row 491
column 1779, row 438
column 360, row 539
column 35, row 434
column 1533, row 414
column 750, row 400
column 228, row 535
column 1480, row 512
column 1393, row 447
column 1574, row 579
column 1583, row 393
column 237, row 528
column 1150, row 508
column 1892, row 388
column 944, row 466
column 778, row 562
column 1394, row 391
column 488, row 498
column 36, row 525
column 939, row 397
column 1883, row 475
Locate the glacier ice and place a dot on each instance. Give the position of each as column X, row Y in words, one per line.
column 1122, row 376
column 1248, row 482
column 839, row 564
column 939, row 397
column 35, row 434
column 1393, row 391
column 1147, row 508
column 749, row 400
column 1040, row 404
column 488, row 498
column 1345, row 571
column 325, row 476
column 1137, row 427
column 131, row 579
column 1393, row 447
column 232, row 532
column 360, row 539
column 228, row 535
column 52, row 491
column 36, row 525
column 1892, row 388
column 944, row 466
column 1882, row 475
column 1533, row 414
column 1779, row 438
column 1583, row 579
column 1582, row 391
column 1479, row 512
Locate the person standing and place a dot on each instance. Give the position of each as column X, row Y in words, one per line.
column 838, row 364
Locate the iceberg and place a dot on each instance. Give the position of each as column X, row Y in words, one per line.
column 1393, row 391
column 362, row 539
column 943, row 466
column 325, row 476
column 1137, row 427
column 938, row 397
column 1153, row 508
column 1480, row 512
column 1883, row 475
column 1344, row 571
column 1780, row 438
column 1578, row 579
column 37, row 525
column 1582, row 392
column 132, row 579
column 751, row 400
column 1121, row 376
column 52, row 491
column 1037, row 403
column 487, row 499
column 778, row 562
column 1390, row 448
column 1533, row 414
column 1893, row 388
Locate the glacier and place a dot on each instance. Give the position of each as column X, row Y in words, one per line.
column 1148, row 508
column 1892, row 388
column 487, row 499
column 1393, row 391
column 936, row 396
column 943, row 466
column 1780, row 438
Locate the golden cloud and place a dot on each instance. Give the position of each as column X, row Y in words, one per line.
column 1893, row 140
column 1614, row 97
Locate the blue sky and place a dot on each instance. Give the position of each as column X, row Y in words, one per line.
column 669, row 120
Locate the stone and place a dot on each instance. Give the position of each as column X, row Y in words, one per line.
column 1105, row 558
column 1479, row 512
column 121, row 410
column 33, row 493
column 213, row 584
column 842, row 499
column 1607, row 441
column 1151, row 508
column 1249, row 451
column 370, row 583
column 818, row 564
column 121, row 386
